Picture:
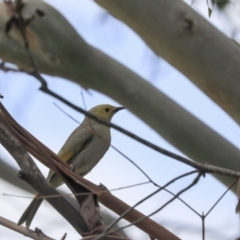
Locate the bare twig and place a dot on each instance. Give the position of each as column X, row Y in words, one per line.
column 110, row 237
column 83, row 99
column 220, row 198
column 144, row 199
column 204, row 216
column 36, row 235
column 156, row 211
column 64, row 236
column 203, row 226
column 78, row 194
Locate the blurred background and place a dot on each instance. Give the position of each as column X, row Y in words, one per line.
column 36, row 112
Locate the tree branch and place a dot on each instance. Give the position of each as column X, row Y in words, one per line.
column 196, row 52
column 33, row 176
column 36, row 235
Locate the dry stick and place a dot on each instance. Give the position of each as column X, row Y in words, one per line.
column 36, row 235
column 110, row 237
column 214, row 205
column 153, row 182
column 79, row 194
column 64, row 236
column 203, row 217
column 64, row 112
column 203, row 226
column 145, row 198
column 83, row 99
column 156, row 211
column 110, row 201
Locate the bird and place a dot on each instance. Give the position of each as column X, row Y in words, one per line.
column 83, row 149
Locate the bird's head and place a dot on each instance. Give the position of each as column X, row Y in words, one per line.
column 105, row 111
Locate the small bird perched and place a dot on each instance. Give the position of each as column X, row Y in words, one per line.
column 83, row 149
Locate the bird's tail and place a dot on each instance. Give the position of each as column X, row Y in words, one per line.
column 30, row 212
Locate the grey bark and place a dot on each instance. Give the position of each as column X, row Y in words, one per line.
column 174, row 31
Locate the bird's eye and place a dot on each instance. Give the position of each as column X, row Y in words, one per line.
column 107, row 109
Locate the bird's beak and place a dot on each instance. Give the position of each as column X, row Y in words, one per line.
column 118, row 109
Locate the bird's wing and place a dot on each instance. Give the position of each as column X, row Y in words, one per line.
column 75, row 143
column 66, row 155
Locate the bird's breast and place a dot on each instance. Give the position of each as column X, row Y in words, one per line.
column 93, row 152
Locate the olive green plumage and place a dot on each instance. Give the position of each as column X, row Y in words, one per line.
column 83, row 149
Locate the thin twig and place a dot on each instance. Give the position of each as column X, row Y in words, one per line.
column 214, row 205
column 64, row 236
column 77, row 194
column 203, row 216
column 23, row 230
column 203, row 226
column 145, row 198
column 83, row 99
column 156, row 211
column 68, row 115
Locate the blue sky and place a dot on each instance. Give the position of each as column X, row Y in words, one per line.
column 37, row 113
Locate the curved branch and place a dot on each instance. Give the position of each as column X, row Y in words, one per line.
column 198, row 51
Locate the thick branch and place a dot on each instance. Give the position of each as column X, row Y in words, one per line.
column 186, row 40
